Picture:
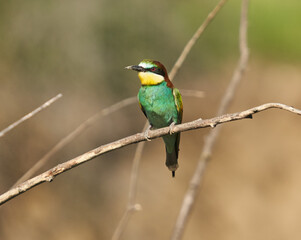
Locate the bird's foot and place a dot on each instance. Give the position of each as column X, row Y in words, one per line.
column 171, row 128
column 146, row 133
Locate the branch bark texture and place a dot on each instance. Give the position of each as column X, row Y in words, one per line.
column 139, row 137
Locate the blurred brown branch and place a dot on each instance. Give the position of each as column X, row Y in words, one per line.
column 194, row 38
column 31, row 114
column 132, row 206
column 193, row 189
column 199, row 123
column 138, row 154
column 67, row 139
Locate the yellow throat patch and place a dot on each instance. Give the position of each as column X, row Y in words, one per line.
column 149, row 78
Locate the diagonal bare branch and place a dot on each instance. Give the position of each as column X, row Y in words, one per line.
column 139, row 137
column 67, row 139
column 193, row 189
column 194, row 38
column 29, row 115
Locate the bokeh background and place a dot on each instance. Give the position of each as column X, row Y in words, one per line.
column 251, row 188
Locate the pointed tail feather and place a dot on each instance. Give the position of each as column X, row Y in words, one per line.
column 172, row 149
column 172, row 162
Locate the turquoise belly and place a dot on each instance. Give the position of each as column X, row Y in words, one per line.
column 158, row 104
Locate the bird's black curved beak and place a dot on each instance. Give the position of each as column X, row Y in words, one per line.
column 136, row 68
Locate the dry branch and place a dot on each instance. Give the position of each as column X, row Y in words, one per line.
column 67, row 139
column 193, row 189
column 199, row 123
column 194, row 38
column 132, row 206
column 29, row 115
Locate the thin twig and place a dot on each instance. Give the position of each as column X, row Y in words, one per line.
column 194, row 38
column 29, row 115
column 67, row 139
column 193, row 189
column 132, row 206
column 192, row 93
column 139, row 137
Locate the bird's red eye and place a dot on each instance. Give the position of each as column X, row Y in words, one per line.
column 153, row 69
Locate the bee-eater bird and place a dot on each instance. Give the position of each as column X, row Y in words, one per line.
column 162, row 105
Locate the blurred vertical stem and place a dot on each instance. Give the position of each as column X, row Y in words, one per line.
column 193, row 189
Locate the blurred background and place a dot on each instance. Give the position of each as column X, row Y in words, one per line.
column 251, row 188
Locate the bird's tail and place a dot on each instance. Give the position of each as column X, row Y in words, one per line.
column 172, row 161
column 172, row 150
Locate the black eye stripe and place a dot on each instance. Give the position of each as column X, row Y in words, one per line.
column 156, row 70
